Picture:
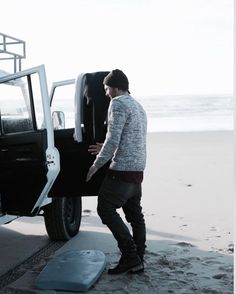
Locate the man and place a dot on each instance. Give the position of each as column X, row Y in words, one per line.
column 125, row 146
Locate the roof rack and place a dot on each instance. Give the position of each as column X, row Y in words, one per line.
column 12, row 49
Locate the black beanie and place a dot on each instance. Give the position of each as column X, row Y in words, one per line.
column 117, row 79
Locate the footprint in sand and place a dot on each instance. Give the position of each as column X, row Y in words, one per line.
column 228, row 269
column 220, row 276
column 230, row 248
column 177, row 272
column 191, row 274
column 183, row 226
column 209, row 262
column 184, row 244
column 213, row 229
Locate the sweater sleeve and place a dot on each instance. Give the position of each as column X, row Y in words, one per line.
column 116, row 122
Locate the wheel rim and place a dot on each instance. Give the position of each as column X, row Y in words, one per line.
column 71, row 210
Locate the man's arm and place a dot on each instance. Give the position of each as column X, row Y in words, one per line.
column 116, row 122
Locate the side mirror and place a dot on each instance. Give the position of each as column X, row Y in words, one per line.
column 58, row 120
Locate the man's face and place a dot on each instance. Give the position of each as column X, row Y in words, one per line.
column 110, row 92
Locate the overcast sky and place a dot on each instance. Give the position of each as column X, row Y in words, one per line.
column 164, row 46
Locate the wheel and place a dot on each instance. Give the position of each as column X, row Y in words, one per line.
column 62, row 218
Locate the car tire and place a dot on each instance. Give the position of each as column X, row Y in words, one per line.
column 62, row 218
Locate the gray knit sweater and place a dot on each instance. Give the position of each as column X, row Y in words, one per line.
column 125, row 142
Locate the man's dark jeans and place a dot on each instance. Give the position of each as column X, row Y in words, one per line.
column 115, row 194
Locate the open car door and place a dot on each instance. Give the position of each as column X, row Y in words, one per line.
column 79, row 119
column 80, row 104
column 29, row 162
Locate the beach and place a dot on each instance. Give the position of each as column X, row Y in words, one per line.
column 189, row 186
column 188, row 208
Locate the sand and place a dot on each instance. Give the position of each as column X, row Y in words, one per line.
column 188, row 207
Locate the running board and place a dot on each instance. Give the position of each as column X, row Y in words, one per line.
column 6, row 219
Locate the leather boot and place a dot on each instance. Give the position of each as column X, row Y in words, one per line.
column 127, row 263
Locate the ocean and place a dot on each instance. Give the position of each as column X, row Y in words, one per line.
column 175, row 113
column 188, row 113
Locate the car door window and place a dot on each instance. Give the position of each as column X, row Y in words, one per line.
column 15, row 109
column 63, row 100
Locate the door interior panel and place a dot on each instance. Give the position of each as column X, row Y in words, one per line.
column 19, row 154
column 75, row 161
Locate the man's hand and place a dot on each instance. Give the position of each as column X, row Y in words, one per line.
column 92, row 170
column 94, row 149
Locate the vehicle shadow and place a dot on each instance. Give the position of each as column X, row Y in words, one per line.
column 169, row 264
column 16, row 247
